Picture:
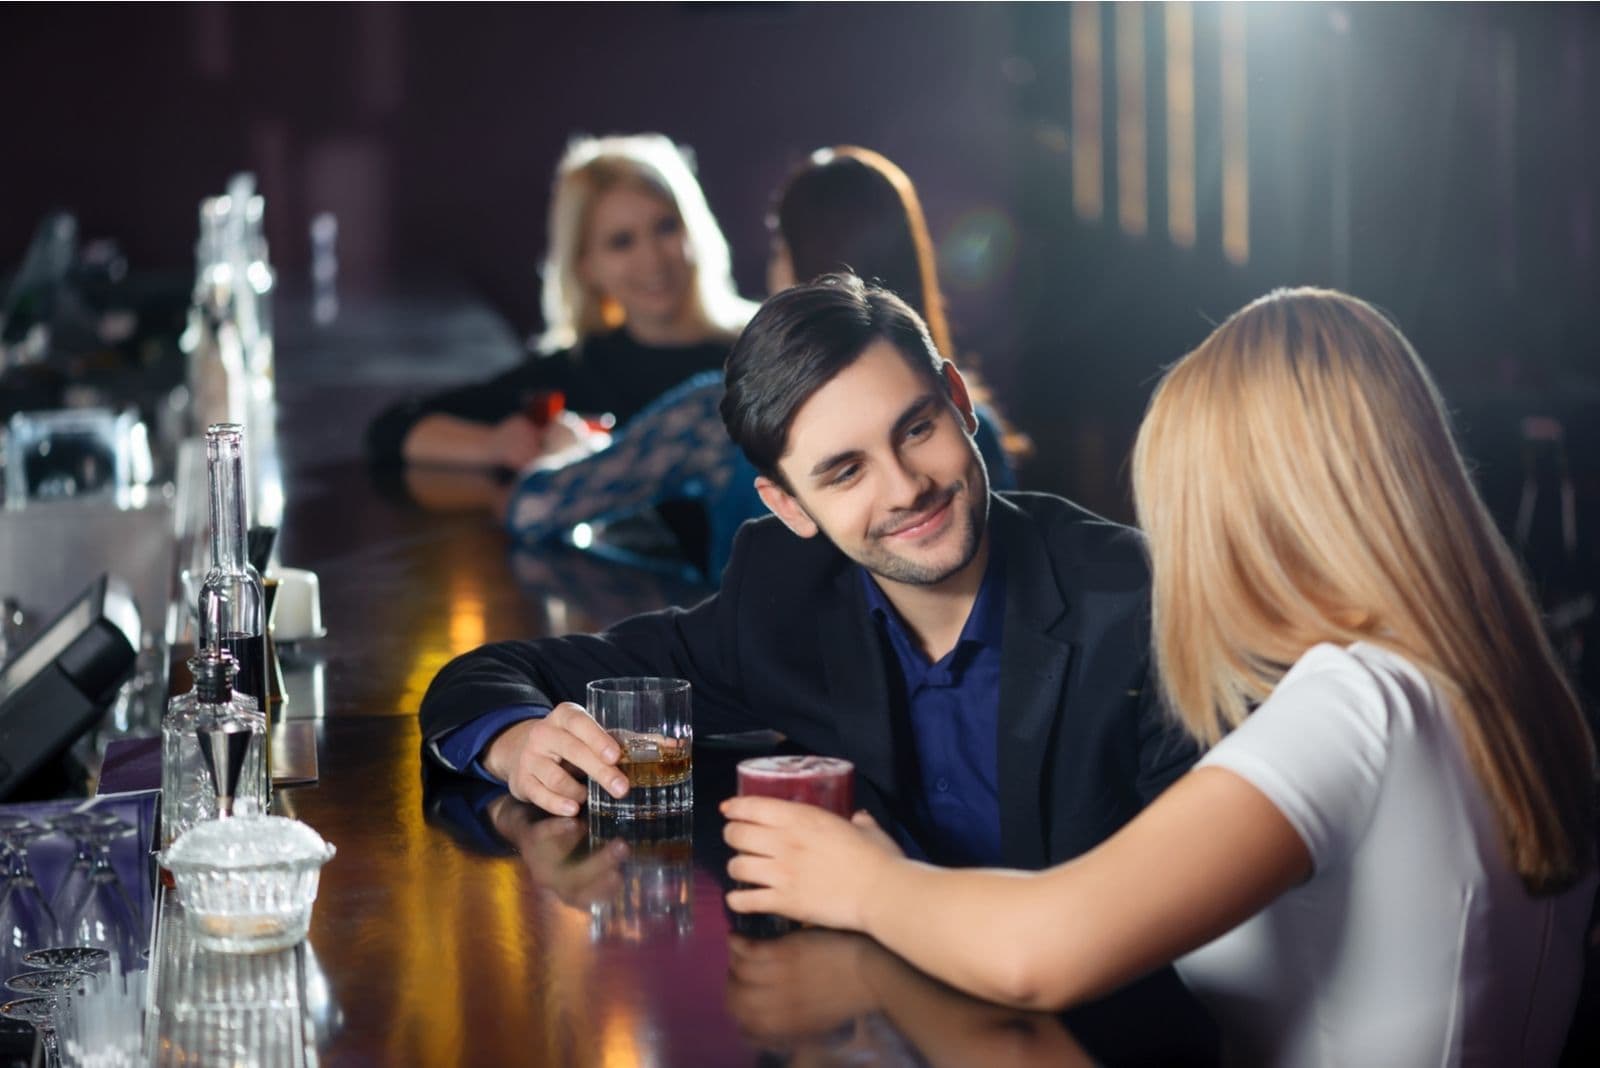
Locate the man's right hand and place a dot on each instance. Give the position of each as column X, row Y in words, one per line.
column 542, row 761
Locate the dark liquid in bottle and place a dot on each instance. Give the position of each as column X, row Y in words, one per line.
column 249, row 652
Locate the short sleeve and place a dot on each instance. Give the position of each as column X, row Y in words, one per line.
column 1317, row 748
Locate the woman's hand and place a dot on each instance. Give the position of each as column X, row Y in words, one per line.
column 804, row 862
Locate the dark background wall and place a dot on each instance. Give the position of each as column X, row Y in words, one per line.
column 1440, row 160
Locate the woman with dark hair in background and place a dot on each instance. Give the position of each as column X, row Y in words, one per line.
column 637, row 296
column 847, row 208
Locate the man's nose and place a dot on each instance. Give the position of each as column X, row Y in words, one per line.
column 907, row 485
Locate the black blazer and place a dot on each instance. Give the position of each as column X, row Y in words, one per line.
column 788, row 643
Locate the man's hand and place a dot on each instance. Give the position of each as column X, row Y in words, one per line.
column 548, row 848
column 541, row 760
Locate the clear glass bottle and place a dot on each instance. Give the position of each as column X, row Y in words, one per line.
column 218, row 370
column 187, row 795
column 232, row 608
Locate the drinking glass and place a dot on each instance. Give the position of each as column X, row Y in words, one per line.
column 91, row 904
column 40, row 1012
column 650, row 720
column 654, row 895
column 26, row 921
column 827, row 782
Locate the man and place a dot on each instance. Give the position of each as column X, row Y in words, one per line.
column 980, row 658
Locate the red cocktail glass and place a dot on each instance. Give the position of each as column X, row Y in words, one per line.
column 827, row 782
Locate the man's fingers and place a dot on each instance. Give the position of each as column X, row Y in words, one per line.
column 575, row 751
column 537, row 793
column 577, row 722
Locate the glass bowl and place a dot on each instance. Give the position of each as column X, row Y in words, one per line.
column 247, row 883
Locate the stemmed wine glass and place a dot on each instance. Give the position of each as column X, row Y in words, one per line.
column 26, row 921
column 92, row 907
column 40, row 1012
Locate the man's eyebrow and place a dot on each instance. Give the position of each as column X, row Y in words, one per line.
column 914, row 411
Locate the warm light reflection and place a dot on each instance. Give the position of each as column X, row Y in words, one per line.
column 1132, row 182
column 1235, row 138
column 620, row 1040
column 467, row 627
column 1088, row 166
column 1180, row 124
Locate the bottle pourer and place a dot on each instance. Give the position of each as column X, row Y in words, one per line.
column 223, row 749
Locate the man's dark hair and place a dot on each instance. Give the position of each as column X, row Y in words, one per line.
column 799, row 340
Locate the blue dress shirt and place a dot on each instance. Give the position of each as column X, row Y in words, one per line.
column 954, row 708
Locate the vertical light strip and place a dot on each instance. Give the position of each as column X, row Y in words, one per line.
column 1133, row 208
column 1505, row 155
column 1235, row 138
column 1088, row 153
column 1180, row 123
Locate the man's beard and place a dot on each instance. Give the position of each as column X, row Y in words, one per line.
column 884, row 562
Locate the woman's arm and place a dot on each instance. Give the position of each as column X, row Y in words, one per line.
column 676, row 447
column 448, row 439
column 1205, row 856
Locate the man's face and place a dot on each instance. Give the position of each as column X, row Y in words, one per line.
column 881, row 462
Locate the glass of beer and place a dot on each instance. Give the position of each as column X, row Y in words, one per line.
column 650, row 720
column 827, row 782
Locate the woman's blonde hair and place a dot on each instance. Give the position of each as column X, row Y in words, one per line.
column 1298, row 482
column 592, row 166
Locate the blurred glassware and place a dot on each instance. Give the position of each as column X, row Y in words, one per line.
column 211, row 1007
column 26, row 920
column 103, row 1027
column 655, row 896
column 92, row 907
column 90, row 959
column 76, row 452
column 40, row 1012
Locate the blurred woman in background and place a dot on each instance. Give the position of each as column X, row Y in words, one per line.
column 845, row 209
column 637, row 296
column 1387, row 855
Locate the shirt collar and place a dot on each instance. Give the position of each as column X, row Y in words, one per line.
column 985, row 623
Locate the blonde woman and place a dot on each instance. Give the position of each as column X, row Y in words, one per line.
column 1386, row 856
column 638, row 295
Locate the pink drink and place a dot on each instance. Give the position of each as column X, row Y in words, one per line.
column 827, row 782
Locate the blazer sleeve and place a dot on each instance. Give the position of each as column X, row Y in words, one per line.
column 1166, row 751
column 700, row 644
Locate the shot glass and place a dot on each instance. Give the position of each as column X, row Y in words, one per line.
column 650, row 720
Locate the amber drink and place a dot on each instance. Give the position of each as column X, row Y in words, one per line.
column 650, row 720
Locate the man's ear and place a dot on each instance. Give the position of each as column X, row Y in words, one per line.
column 960, row 396
column 785, row 507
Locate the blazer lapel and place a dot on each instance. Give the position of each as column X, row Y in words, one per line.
column 858, row 689
column 1033, row 675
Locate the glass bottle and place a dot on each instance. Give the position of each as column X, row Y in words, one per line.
column 233, row 616
column 211, row 341
column 187, row 796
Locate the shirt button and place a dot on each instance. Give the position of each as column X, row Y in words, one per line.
column 943, row 786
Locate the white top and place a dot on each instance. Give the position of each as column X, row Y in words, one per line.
column 1413, row 942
